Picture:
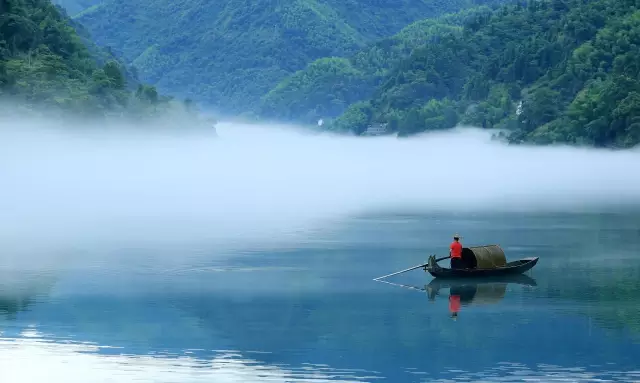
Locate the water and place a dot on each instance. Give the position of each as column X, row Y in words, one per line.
column 309, row 311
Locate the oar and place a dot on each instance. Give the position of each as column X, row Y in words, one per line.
column 403, row 271
column 409, row 269
column 443, row 258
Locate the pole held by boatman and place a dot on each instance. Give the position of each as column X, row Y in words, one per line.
column 456, row 253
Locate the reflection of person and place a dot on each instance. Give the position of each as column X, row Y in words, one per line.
column 454, row 305
column 456, row 253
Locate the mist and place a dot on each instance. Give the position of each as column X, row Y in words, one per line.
column 66, row 186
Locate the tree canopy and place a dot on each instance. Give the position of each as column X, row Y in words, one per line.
column 546, row 71
column 48, row 60
column 229, row 53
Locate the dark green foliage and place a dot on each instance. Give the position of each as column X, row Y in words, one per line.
column 230, row 53
column 44, row 62
column 548, row 71
column 114, row 73
column 355, row 118
column 326, row 87
column 101, row 55
column 147, row 94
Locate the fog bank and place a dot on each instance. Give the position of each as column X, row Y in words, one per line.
column 64, row 186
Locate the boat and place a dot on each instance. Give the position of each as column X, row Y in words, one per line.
column 481, row 261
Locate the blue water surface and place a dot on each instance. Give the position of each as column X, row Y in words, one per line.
column 311, row 311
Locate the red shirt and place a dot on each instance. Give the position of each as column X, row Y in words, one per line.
column 456, row 250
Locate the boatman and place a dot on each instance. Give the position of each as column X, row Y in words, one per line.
column 456, row 253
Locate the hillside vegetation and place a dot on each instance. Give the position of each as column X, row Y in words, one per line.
column 327, row 86
column 548, row 71
column 45, row 62
column 229, row 53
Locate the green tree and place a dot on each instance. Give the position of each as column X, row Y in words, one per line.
column 114, row 74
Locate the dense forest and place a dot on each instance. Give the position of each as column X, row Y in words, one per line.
column 545, row 71
column 47, row 60
column 327, row 86
column 229, row 53
column 542, row 71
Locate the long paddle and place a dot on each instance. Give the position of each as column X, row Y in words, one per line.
column 411, row 268
column 443, row 258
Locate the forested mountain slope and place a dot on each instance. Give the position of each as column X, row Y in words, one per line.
column 231, row 52
column 547, row 70
column 327, row 86
column 44, row 62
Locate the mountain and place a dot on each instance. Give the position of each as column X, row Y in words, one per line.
column 545, row 70
column 231, row 52
column 327, row 86
column 45, row 62
column 101, row 55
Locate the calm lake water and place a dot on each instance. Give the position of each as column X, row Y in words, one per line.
column 310, row 311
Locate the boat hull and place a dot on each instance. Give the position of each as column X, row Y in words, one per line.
column 511, row 268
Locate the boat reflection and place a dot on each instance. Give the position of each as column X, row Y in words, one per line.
column 464, row 292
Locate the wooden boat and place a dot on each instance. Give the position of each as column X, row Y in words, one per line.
column 481, row 261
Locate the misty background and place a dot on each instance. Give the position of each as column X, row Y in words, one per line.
column 256, row 185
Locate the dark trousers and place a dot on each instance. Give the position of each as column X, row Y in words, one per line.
column 456, row 263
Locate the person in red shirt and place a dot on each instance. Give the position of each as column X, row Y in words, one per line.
column 456, row 253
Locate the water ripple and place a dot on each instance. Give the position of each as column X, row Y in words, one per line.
column 69, row 361
column 517, row 372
